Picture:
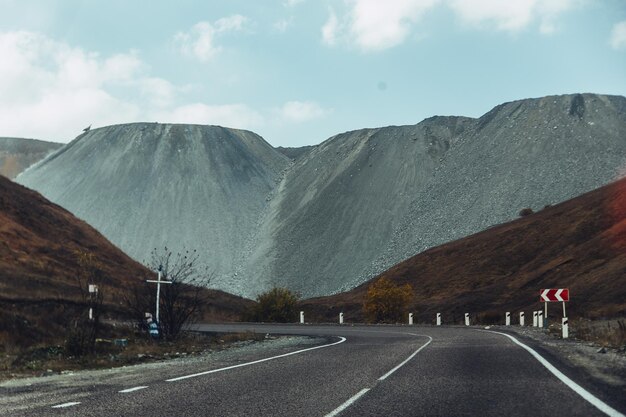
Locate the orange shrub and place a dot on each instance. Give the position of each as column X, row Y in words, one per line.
column 387, row 302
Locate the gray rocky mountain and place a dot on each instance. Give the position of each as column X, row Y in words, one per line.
column 17, row 154
column 327, row 218
column 150, row 185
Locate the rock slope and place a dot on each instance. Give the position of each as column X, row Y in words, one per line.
column 579, row 244
column 332, row 216
column 148, row 185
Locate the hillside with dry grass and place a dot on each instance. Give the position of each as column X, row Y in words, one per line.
column 17, row 154
column 579, row 244
column 39, row 247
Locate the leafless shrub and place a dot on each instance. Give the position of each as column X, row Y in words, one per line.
column 526, row 212
column 184, row 297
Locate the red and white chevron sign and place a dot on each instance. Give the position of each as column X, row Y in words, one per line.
column 554, row 294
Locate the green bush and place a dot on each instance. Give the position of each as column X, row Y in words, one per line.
column 278, row 305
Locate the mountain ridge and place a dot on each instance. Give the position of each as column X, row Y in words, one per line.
column 341, row 212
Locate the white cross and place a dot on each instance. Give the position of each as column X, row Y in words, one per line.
column 158, row 293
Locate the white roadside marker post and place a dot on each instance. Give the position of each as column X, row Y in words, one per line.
column 93, row 294
column 521, row 318
column 534, row 319
column 438, row 319
column 565, row 327
column 302, row 317
column 410, row 319
column 540, row 318
column 467, row 319
column 507, row 320
column 340, row 318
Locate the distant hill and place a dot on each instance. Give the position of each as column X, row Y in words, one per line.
column 17, row 154
column 579, row 244
column 295, row 153
column 39, row 242
column 147, row 185
column 326, row 219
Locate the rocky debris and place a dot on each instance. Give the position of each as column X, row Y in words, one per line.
column 338, row 214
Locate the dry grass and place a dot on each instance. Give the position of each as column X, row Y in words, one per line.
column 40, row 360
column 607, row 333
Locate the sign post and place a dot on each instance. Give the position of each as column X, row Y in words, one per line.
column 521, row 319
column 410, row 318
column 438, row 319
column 552, row 295
column 507, row 319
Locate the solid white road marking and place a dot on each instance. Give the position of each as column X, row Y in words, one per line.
column 343, row 339
column 592, row 399
column 347, row 404
column 66, row 404
column 382, row 378
column 124, row 391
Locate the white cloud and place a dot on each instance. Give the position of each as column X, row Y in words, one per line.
column 292, row 3
column 302, row 111
column 330, row 29
column 51, row 90
column 371, row 27
column 232, row 23
column 618, row 36
column 199, row 41
column 229, row 115
column 282, row 25
column 512, row 16
column 374, row 28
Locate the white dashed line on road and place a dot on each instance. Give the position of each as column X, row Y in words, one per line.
column 364, row 391
column 382, row 378
column 66, row 404
column 348, row 403
column 124, row 391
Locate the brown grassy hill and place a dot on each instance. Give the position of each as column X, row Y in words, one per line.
column 17, row 154
column 39, row 242
column 579, row 244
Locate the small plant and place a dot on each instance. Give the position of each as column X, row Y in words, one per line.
column 278, row 305
column 387, row 302
column 526, row 212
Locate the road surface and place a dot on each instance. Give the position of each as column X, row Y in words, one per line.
column 346, row 371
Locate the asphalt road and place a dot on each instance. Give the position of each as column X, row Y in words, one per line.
column 348, row 371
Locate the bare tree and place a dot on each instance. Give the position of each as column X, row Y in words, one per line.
column 84, row 328
column 139, row 300
column 183, row 300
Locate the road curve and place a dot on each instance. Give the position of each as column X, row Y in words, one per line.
column 351, row 371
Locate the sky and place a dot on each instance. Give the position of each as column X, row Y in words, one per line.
column 295, row 71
